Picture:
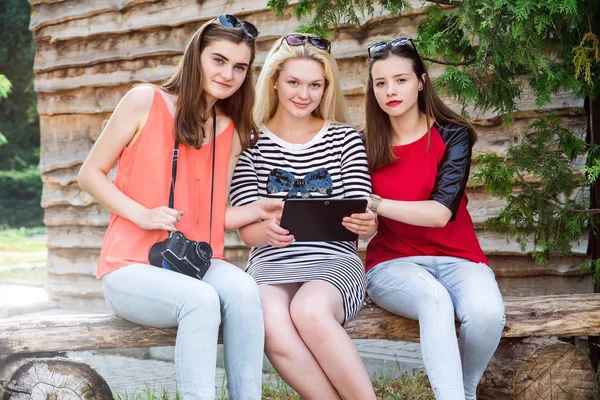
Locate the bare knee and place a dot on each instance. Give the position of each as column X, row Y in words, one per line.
column 309, row 318
column 277, row 329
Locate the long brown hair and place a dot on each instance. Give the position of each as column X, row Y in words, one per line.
column 187, row 82
column 378, row 129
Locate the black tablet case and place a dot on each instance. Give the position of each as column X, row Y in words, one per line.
column 320, row 219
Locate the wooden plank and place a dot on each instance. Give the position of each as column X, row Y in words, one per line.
column 66, row 139
column 168, row 13
column 72, row 261
column 111, row 73
column 75, row 237
column 61, row 176
column 92, row 215
column 166, row 40
column 56, row 12
column 67, row 176
column 86, row 100
column 575, row 315
column 157, row 14
column 36, row 2
column 74, row 285
column 544, row 285
column 54, row 194
column 510, row 266
column 496, row 243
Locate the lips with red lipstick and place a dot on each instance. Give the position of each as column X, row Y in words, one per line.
column 393, row 103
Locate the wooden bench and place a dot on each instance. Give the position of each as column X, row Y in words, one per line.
column 529, row 364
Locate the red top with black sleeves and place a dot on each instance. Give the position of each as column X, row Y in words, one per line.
column 439, row 174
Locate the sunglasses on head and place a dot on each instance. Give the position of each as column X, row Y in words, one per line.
column 295, row 39
column 391, row 44
column 231, row 21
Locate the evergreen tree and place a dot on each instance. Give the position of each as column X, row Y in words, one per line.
column 490, row 48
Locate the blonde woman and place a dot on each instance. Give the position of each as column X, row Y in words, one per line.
column 309, row 289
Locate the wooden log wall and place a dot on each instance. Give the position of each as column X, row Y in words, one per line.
column 90, row 52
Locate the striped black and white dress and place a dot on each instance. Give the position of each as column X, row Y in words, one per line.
column 274, row 168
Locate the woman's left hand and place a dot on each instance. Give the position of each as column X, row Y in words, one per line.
column 363, row 224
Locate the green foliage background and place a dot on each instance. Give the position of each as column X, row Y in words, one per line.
column 20, row 183
column 18, row 116
column 20, row 198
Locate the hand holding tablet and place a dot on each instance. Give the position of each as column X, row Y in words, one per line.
column 320, row 219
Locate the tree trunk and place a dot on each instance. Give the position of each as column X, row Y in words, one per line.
column 538, row 369
column 50, row 377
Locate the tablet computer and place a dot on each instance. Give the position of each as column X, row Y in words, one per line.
column 320, row 219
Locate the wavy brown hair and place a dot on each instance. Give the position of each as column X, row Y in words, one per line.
column 378, row 129
column 187, row 82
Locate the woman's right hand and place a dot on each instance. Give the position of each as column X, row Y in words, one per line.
column 269, row 208
column 276, row 235
column 161, row 217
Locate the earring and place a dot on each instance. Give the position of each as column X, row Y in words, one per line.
column 275, row 87
column 420, row 88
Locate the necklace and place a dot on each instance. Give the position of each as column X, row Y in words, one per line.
column 198, row 176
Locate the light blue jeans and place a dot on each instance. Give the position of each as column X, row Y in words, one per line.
column 433, row 290
column 160, row 298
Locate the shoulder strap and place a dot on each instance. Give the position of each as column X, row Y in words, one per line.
column 212, row 180
column 173, row 174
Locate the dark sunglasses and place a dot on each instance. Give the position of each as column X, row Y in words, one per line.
column 295, row 39
column 231, row 21
column 390, row 44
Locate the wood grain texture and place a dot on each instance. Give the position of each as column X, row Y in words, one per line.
column 54, row 378
column 537, row 368
column 574, row 315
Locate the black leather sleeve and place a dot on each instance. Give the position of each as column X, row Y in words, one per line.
column 453, row 170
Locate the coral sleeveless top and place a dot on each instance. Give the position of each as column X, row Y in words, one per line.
column 144, row 174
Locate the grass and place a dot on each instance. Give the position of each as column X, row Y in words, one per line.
column 386, row 388
column 22, row 246
column 35, row 276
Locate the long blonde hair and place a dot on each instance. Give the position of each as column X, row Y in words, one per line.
column 333, row 105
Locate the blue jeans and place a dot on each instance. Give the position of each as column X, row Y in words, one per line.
column 433, row 290
column 160, row 298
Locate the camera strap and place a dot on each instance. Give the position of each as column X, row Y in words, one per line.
column 212, row 179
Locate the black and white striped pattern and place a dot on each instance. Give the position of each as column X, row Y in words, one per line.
column 340, row 150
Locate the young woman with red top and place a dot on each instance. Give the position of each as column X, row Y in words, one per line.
column 425, row 262
column 206, row 107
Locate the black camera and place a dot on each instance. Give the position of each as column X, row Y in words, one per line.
column 182, row 255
